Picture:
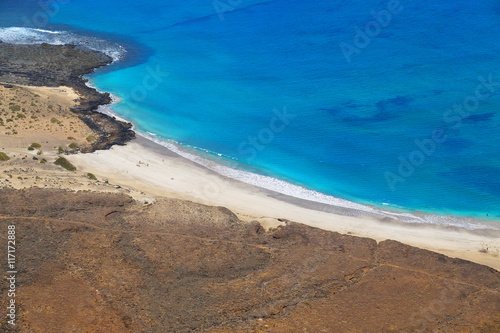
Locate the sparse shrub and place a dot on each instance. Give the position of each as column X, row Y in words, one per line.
column 60, row 150
column 4, row 157
column 43, row 160
column 91, row 176
column 91, row 138
column 61, row 161
column 73, row 145
column 31, row 148
column 36, row 145
column 71, row 138
column 15, row 108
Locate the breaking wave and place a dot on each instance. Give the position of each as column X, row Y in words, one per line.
column 18, row 35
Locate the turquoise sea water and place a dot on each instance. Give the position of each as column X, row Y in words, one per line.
column 401, row 113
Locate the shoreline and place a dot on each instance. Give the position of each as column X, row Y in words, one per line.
column 311, row 198
column 162, row 173
column 153, row 170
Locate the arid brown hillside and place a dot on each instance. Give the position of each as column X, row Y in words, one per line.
column 92, row 262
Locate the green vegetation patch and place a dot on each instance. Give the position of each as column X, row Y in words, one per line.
column 73, row 145
column 91, row 138
column 4, row 157
column 91, row 176
column 15, row 108
column 36, row 145
column 61, row 161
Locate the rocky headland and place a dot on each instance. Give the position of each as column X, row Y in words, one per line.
column 65, row 65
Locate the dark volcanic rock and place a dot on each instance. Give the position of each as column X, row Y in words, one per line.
column 64, row 65
column 104, row 263
column 50, row 65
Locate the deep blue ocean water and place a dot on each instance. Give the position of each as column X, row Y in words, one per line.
column 401, row 113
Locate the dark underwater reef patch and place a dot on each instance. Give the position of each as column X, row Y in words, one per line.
column 456, row 145
column 474, row 118
column 480, row 178
column 386, row 109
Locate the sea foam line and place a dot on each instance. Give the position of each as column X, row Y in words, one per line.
column 19, row 35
